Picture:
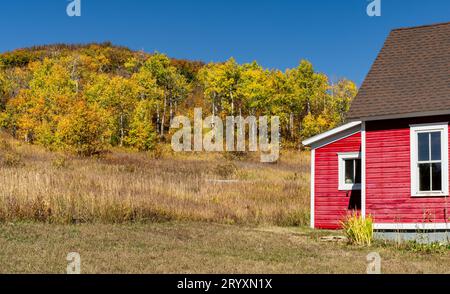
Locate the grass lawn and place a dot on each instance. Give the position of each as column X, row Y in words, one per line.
column 193, row 247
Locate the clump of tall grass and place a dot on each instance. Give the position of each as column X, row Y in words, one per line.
column 226, row 170
column 11, row 159
column 235, row 155
column 358, row 230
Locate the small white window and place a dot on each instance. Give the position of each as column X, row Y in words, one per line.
column 349, row 171
column 429, row 160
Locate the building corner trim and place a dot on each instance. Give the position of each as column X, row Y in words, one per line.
column 313, row 176
column 363, row 169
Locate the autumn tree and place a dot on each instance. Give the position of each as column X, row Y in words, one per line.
column 342, row 95
column 174, row 86
column 142, row 135
column 3, row 90
column 209, row 80
column 83, row 129
column 36, row 110
column 116, row 95
column 86, row 98
column 254, row 90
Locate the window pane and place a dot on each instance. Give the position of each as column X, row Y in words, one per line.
column 349, row 171
column 436, row 146
column 424, row 146
column 424, row 177
column 437, row 177
column 358, row 171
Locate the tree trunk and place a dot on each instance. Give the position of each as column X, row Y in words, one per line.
column 122, row 133
column 214, row 104
column 291, row 124
column 232, row 103
column 300, row 124
column 157, row 118
column 170, row 111
column 163, row 119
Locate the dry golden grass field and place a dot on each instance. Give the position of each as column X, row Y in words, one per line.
column 151, row 187
column 161, row 212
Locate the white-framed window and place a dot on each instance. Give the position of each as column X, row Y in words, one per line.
column 349, row 171
column 429, row 160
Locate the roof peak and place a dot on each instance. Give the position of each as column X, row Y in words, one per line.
column 422, row 26
column 409, row 76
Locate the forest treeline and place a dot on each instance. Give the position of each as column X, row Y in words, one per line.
column 88, row 98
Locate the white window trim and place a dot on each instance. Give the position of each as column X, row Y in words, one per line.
column 341, row 158
column 433, row 127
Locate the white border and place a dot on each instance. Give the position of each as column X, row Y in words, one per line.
column 363, row 169
column 414, row 129
column 313, row 176
column 342, row 156
column 411, row 226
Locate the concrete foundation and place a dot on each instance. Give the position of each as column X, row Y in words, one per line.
column 442, row 236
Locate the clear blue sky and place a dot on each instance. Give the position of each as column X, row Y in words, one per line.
column 337, row 36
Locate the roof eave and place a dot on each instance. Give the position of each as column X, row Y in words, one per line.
column 325, row 135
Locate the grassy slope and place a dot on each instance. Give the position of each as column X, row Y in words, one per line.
column 194, row 248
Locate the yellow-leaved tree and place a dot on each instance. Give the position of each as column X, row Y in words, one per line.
column 83, row 129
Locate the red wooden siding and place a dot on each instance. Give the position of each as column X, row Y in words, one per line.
column 388, row 179
column 331, row 205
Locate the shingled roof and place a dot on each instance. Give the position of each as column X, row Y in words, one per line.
column 410, row 77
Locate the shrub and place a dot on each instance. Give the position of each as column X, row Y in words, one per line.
column 427, row 248
column 5, row 146
column 12, row 159
column 235, row 155
column 226, row 170
column 159, row 151
column 82, row 130
column 358, row 230
column 59, row 162
column 294, row 218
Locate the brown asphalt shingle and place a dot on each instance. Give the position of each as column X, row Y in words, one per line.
column 410, row 75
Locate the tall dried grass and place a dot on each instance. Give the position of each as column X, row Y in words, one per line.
column 358, row 230
column 36, row 185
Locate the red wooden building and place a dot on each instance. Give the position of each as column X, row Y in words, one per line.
column 390, row 160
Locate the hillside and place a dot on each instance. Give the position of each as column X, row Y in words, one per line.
column 86, row 99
